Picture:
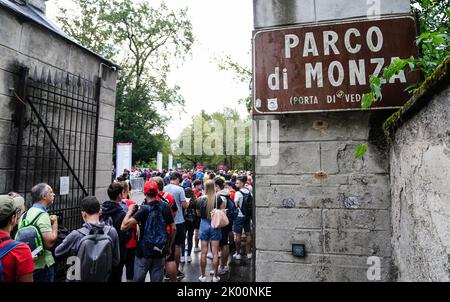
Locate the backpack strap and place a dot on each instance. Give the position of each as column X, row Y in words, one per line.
column 242, row 192
column 224, row 200
column 36, row 218
column 107, row 229
column 83, row 231
column 5, row 239
column 86, row 232
column 8, row 248
column 24, row 216
column 164, row 198
column 23, row 223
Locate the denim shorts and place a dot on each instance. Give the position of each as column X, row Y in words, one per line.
column 242, row 223
column 208, row 233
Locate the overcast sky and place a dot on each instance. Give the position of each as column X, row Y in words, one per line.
column 221, row 27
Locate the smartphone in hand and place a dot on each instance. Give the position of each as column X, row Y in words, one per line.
column 36, row 252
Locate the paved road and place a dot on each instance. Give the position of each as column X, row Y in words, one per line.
column 240, row 270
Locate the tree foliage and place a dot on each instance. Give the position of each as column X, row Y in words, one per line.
column 434, row 43
column 241, row 74
column 212, row 135
column 144, row 40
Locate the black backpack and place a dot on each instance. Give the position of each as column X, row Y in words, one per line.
column 232, row 211
column 96, row 255
column 247, row 204
column 190, row 215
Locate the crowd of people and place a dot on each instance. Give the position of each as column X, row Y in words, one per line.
column 177, row 218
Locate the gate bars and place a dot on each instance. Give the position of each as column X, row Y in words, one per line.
column 57, row 136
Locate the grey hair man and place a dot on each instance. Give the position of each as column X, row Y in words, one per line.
column 43, row 197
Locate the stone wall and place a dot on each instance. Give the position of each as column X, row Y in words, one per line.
column 23, row 42
column 284, row 12
column 318, row 194
column 321, row 196
column 420, row 182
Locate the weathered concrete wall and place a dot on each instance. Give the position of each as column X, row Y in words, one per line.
column 420, row 190
column 28, row 44
column 319, row 194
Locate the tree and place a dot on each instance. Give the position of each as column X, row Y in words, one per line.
column 144, row 40
column 241, row 74
column 214, row 130
column 151, row 36
column 88, row 25
column 434, row 42
column 434, row 38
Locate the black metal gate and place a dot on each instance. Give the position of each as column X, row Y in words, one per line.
column 57, row 138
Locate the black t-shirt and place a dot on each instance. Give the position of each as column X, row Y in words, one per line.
column 142, row 214
column 202, row 205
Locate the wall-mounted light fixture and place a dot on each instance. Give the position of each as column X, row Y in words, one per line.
column 298, row 250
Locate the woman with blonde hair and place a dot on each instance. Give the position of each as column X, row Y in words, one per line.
column 209, row 234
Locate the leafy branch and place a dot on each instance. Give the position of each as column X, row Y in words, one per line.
column 435, row 46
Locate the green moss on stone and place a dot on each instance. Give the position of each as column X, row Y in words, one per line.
column 422, row 96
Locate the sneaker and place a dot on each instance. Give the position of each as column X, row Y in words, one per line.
column 197, row 249
column 224, row 270
column 216, row 279
column 237, row 256
column 180, row 275
column 249, row 256
column 220, row 271
column 189, row 259
column 202, row 279
column 210, row 256
column 182, row 259
column 166, row 278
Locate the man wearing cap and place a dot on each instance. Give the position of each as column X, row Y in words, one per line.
column 144, row 264
column 20, row 203
column 16, row 258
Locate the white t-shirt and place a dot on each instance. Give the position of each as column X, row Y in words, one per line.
column 179, row 196
column 239, row 198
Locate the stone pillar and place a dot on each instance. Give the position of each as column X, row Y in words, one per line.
column 105, row 132
column 318, row 194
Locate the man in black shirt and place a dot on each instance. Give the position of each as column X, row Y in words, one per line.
column 113, row 214
column 145, row 263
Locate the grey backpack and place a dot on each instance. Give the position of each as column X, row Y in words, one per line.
column 95, row 254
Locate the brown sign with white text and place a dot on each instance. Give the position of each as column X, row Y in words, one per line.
column 328, row 67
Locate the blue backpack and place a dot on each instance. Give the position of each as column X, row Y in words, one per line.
column 186, row 183
column 5, row 251
column 155, row 240
column 232, row 210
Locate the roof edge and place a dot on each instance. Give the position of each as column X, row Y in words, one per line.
column 56, row 30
